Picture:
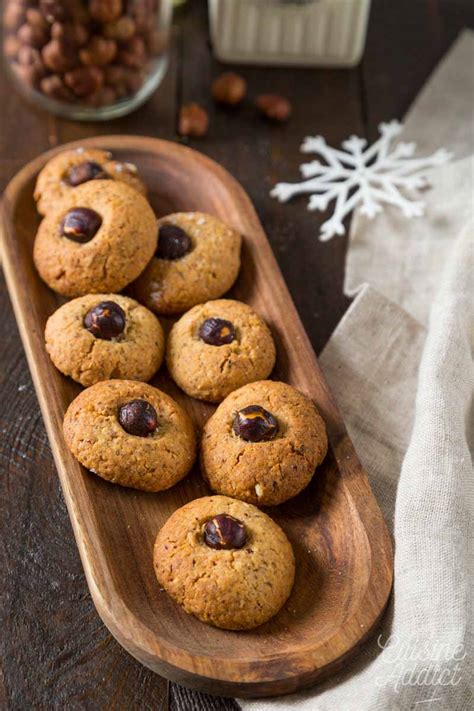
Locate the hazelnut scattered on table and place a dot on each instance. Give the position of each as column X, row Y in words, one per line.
column 229, row 88
column 274, row 107
column 193, row 120
column 90, row 52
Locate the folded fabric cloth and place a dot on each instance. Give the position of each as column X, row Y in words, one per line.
column 402, row 371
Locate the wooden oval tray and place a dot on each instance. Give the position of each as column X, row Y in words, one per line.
column 342, row 547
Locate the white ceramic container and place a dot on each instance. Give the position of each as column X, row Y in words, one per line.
column 289, row 32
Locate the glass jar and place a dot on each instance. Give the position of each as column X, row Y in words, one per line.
column 87, row 59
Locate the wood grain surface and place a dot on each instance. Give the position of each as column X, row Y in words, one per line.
column 55, row 652
column 343, row 551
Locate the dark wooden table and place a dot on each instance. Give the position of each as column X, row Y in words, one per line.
column 55, row 651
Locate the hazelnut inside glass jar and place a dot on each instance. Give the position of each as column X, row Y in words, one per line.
column 86, row 59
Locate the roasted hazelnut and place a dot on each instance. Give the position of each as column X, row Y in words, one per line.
column 224, row 532
column 105, row 321
column 80, row 224
column 75, row 34
column 59, row 56
column 274, row 107
column 32, row 35
column 83, row 172
column 193, row 120
column 35, row 18
column 30, row 67
column 102, row 97
column 14, row 16
column 134, row 80
column 156, row 42
column 98, row 52
column 105, row 10
column 138, row 418
column 115, row 76
column 78, row 12
column 217, row 332
column 229, row 88
column 54, row 87
column 84, row 81
column 121, row 30
column 11, row 46
column 142, row 12
column 53, row 10
column 26, row 73
column 133, row 55
column 173, row 242
column 106, row 96
column 255, row 424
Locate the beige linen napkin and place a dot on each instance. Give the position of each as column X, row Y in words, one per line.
column 404, row 383
column 402, row 258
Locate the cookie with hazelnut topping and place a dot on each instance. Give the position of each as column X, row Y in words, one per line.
column 217, row 347
column 225, row 562
column 197, row 259
column 97, row 240
column 131, row 434
column 263, row 443
column 102, row 336
column 63, row 173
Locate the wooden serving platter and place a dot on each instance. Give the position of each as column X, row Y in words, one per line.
column 342, row 547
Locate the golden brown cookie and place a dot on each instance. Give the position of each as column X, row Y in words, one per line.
column 67, row 170
column 131, row 434
column 217, row 347
column 198, row 258
column 263, row 443
column 225, row 562
column 100, row 238
column 103, row 336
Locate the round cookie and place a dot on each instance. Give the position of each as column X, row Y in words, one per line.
column 217, row 347
column 103, row 336
column 67, row 170
column 100, row 238
column 263, row 443
column 198, row 258
column 225, row 562
column 131, row 434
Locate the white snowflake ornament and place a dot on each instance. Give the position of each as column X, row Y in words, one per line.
column 361, row 176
